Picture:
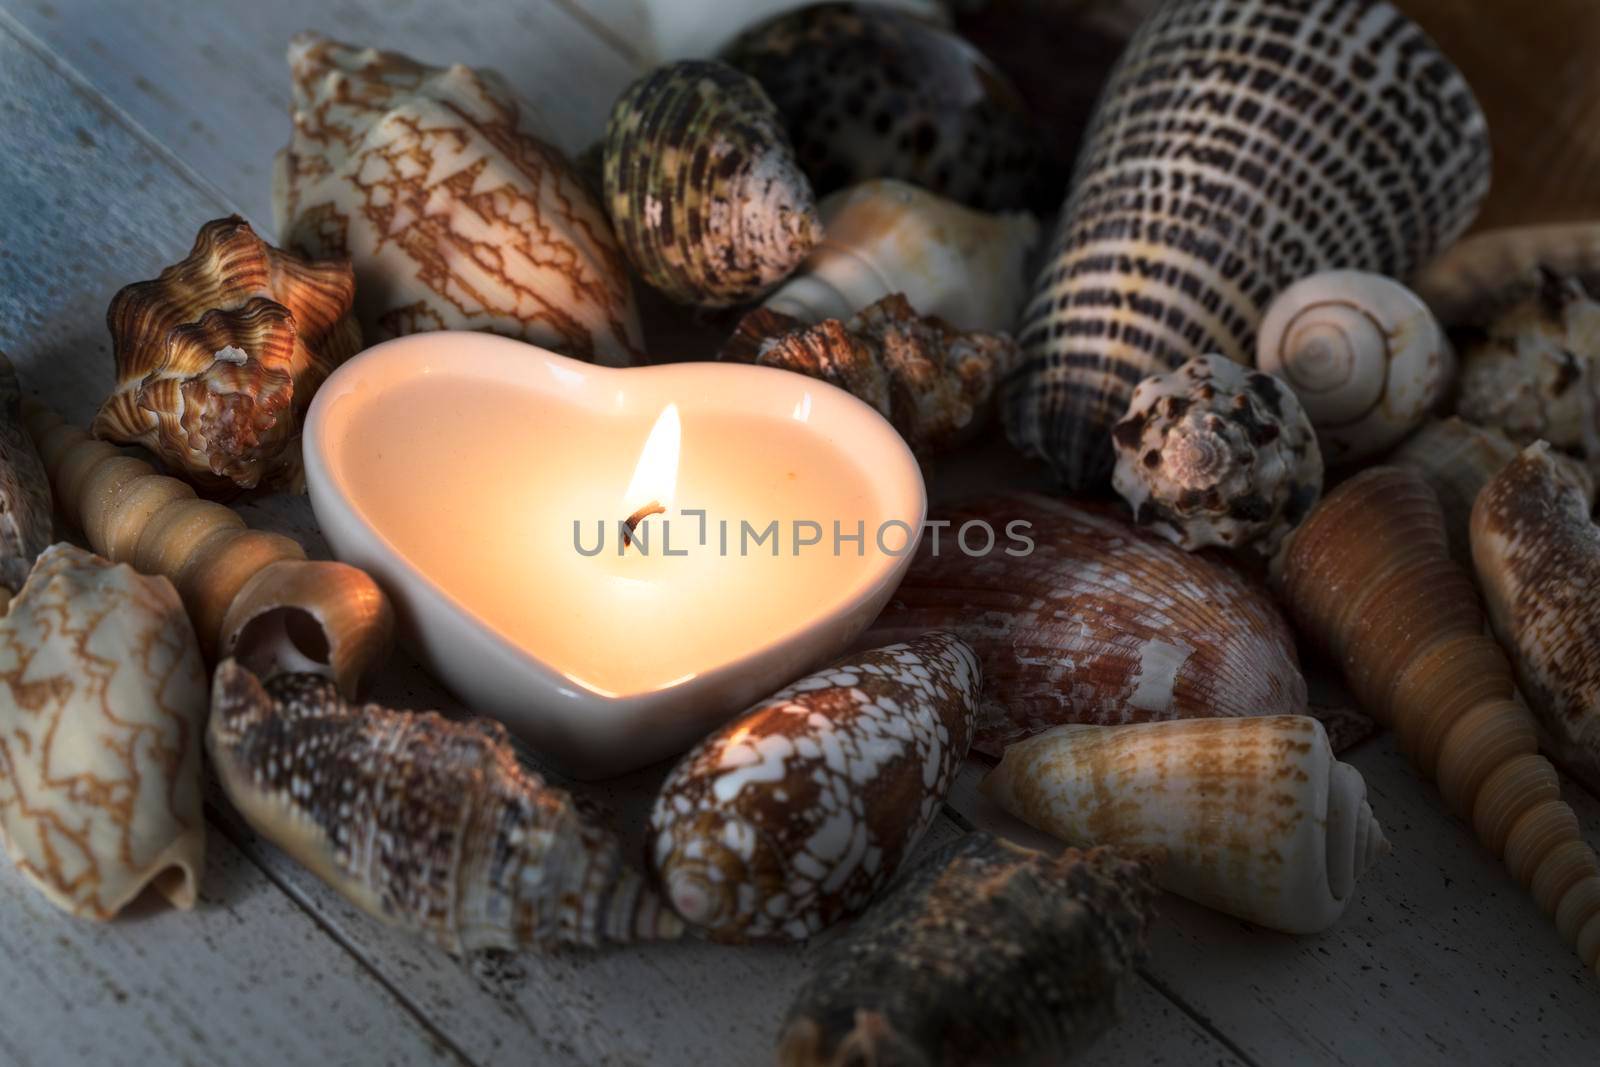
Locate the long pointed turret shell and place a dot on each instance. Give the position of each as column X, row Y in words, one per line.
column 1240, row 145
column 102, row 704
column 793, row 815
column 25, row 521
column 1255, row 816
column 1368, row 575
column 985, row 953
column 428, row 824
column 1479, row 276
column 454, row 216
column 1094, row 620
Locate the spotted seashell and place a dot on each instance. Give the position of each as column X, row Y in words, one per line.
column 422, row 822
column 984, row 953
column 456, row 218
column 793, row 815
column 1077, row 615
column 25, row 520
column 1216, row 454
column 703, row 187
column 1240, row 145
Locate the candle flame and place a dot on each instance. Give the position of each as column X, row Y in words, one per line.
column 656, row 476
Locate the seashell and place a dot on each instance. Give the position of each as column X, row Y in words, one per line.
column 793, row 815
column 703, row 188
column 1077, row 615
column 1357, row 145
column 1481, row 275
column 1534, row 374
column 869, row 92
column 251, row 594
column 1369, row 577
column 1538, row 562
column 1364, row 355
column 886, row 237
column 218, row 358
column 934, row 383
column 695, row 29
column 474, row 852
column 25, row 521
column 455, row 218
column 102, row 704
column 1216, row 454
column 985, row 952
column 1255, row 817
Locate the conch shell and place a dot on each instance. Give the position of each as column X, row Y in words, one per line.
column 1079, row 616
column 984, row 953
column 885, row 236
column 25, row 521
column 1538, row 560
column 1217, row 454
column 1356, row 145
column 1364, row 355
column 423, row 823
column 703, row 188
column 1479, row 276
column 934, row 383
column 793, row 815
column 454, row 217
column 250, row 593
column 1369, row 577
column 1255, row 817
column 102, row 704
column 218, row 358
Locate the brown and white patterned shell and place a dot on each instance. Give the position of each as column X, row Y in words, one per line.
column 1478, row 277
column 934, row 383
column 218, row 358
column 1096, row 621
column 1538, row 562
column 454, row 216
column 793, row 815
column 424, row 823
column 984, row 953
column 102, row 706
column 1240, row 145
column 25, row 519
column 1217, row 454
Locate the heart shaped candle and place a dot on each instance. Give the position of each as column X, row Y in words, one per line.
column 611, row 561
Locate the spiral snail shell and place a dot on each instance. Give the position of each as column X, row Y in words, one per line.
column 1364, row 355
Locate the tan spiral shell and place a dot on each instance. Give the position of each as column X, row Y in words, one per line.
column 1476, row 278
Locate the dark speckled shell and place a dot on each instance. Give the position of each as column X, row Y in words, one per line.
column 871, row 92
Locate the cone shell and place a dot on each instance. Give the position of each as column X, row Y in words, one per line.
column 218, row 358
column 1538, row 563
column 455, row 217
column 796, row 813
column 25, row 520
column 984, row 953
column 1096, row 621
column 885, row 236
column 1215, row 454
column 1196, row 201
column 1254, row 816
column 102, row 705
column 869, row 92
column 1480, row 276
column 476, row 852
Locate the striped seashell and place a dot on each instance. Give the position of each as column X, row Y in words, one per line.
column 26, row 524
column 1240, row 145
column 704, row 192
column 472, row 851
column 984, row 953
column 455, row 217
column 1092, row 620
column 793, row 815
column 218, row 358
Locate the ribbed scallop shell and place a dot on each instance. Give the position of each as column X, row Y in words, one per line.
column 424, row 823
column 1538, row 562
column 793, row 815
column 1254, row 816
column 870, row 92
column 1240, row 145
column 456, row 218
column 1480, row 276
column 702, row 185
column 26, row 525
column 218, row 358
column 984, row 953
column 1100, row 622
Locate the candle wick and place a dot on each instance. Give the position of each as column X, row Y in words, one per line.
column 633, row 521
